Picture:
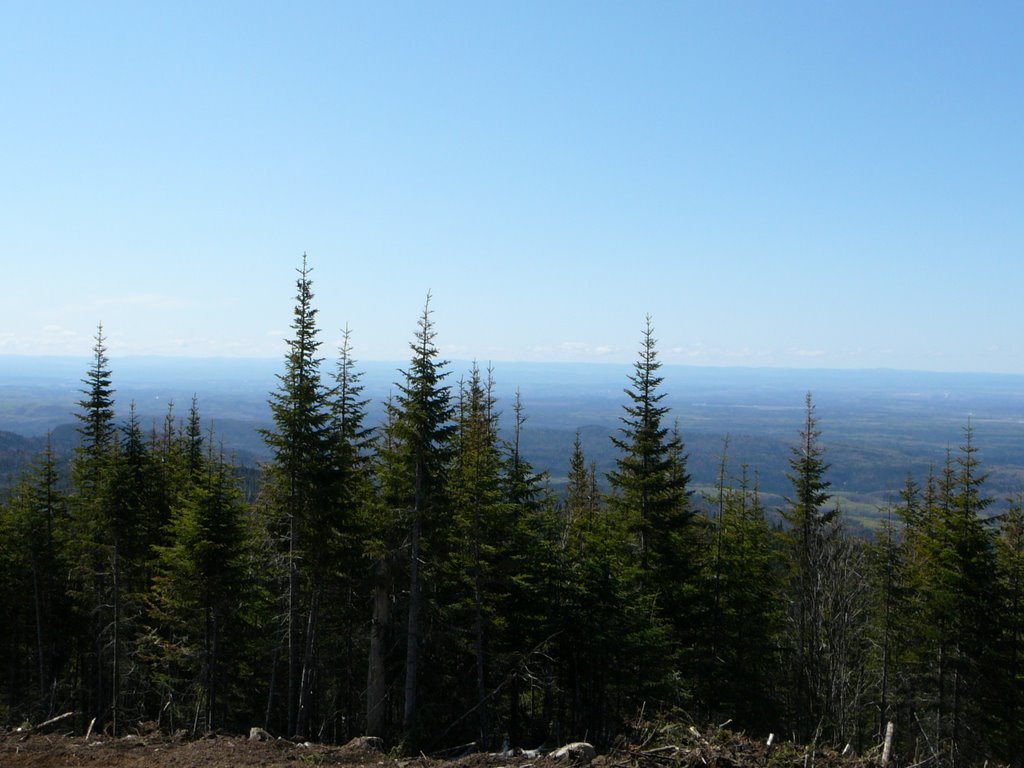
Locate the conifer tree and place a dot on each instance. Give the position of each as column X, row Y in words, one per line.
column 1010, row 560
column 738, row 651
column 650, row 492
column 199, row 595
column 97, row 429
column 649, row 480
column 299, row 442
column 892, row 562
column 135, row 515
column 975, row 629
column 483, row 522
column 345, row 530
column 531, row 572
column 90, row 584
column 809, row 527
column 33, row 558
column 417, row 454
column 613, row 646
column 580, row 503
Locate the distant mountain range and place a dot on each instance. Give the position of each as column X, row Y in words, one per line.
column 877, row 425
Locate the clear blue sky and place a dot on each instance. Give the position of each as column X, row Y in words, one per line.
column 789, row 184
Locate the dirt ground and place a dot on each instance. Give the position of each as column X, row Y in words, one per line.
column 721, row 750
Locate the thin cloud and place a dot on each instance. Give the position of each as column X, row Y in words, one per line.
column 149, row 301
column 809, row 352
column 58, row 332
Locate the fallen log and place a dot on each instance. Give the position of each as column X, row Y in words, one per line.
column 48, row 723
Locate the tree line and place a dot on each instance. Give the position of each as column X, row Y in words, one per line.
column 420, row 581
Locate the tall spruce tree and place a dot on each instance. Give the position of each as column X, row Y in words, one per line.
column 650, row 491
column 96, row 416
column 345, row 530
column 649, row 479
column 809, row 525
column 300, row 446
column 531, row 569
column 482, row 521
column 417, row 454
column 90, row 583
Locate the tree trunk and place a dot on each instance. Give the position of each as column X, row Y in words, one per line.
column 412, row 646
column 478, row 631
column 376, row 683
column 40, row 646
column 293, row 628
column 116, row 675
column 308, row 668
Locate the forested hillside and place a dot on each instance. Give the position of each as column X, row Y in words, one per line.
column 420, row 580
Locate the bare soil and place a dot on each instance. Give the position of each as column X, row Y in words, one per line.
column 721, row 750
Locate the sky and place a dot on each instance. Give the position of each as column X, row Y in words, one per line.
column 787, row 184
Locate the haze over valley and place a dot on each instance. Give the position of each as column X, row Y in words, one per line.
column 877, row 425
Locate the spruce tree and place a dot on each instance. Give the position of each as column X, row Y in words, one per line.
column 738, row 653
column 345, row 529
column 91, row 486
column 482, row 521
column 33, row 561
column 1010, row 560
column 649, row 481
column 96, row 416
column 809, row 527
column 300, row 446
column 416, row 458
column 200, row 595
column 650, row 493
column 531, row 569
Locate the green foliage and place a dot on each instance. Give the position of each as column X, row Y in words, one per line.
column 650, row 481
column 737, row 657
column 415, row 454
column 33, row 556
column 199, row 596
column 651, row 498
column 315, row 494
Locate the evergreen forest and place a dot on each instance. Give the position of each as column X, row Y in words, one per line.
column 420, row 581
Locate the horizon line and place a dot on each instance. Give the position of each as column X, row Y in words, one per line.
column 491, row 361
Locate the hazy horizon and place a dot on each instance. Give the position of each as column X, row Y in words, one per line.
column 329, row 359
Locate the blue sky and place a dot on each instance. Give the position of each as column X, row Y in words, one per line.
column 811, row 184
